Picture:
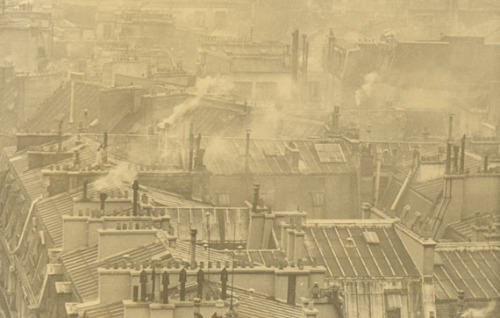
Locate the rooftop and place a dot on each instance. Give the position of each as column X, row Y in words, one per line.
column 472, row 268
column 351, row 249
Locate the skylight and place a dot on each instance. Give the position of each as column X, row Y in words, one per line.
column 330, row 153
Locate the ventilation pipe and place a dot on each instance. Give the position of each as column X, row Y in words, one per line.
column 135, row 198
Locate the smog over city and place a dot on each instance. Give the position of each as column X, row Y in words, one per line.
column 250, row 158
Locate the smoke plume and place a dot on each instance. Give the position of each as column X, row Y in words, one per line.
column 484, row 312
column 366, row 89
column 123, row 173
column 204, row 87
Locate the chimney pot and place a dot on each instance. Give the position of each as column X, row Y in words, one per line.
column 255, row 205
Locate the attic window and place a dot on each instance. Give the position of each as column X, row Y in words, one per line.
column 371, row 238
column 330, row 153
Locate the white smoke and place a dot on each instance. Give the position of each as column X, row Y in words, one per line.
column 123, row 173
column 480, row 312
column 206, row 86
column 366, row 89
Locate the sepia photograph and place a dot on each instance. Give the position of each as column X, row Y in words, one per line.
column 249, row 158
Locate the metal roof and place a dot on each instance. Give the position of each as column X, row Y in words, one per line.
column 267, row 156
column 473, row 268
column 344, row 251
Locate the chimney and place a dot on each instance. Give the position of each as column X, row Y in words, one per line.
column 295, row 55
column 334, row 125
column 105, row 148
column 462, row 155
column 135, row 187
column 366, row 210
column 103, row 196
column 429, row 250
column 448, row 158
column 247, row 153
column 292, row 155
column 450, row 127
column 485, row 165
column 191, row 147
column 310, row 311
column 449, row 145
column 456, row 149
column 59, row 136
column 85, row 189
column 460, row 302
column 255, row 203
column 194, row 232
column 76, row 160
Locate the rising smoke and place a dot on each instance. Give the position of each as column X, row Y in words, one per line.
column 117, row 177
column 485, row 312
column 205, row 86
column 366, row 90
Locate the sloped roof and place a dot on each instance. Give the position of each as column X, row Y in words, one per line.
column 114, row 310
column 259, row 306
column 264, row 257
column 51, row 210
column 463, row 231
column 471, row 267
column 223, row 223
column 267, row 156
column 57, row 106
column 82, row 264
column 329, row 245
